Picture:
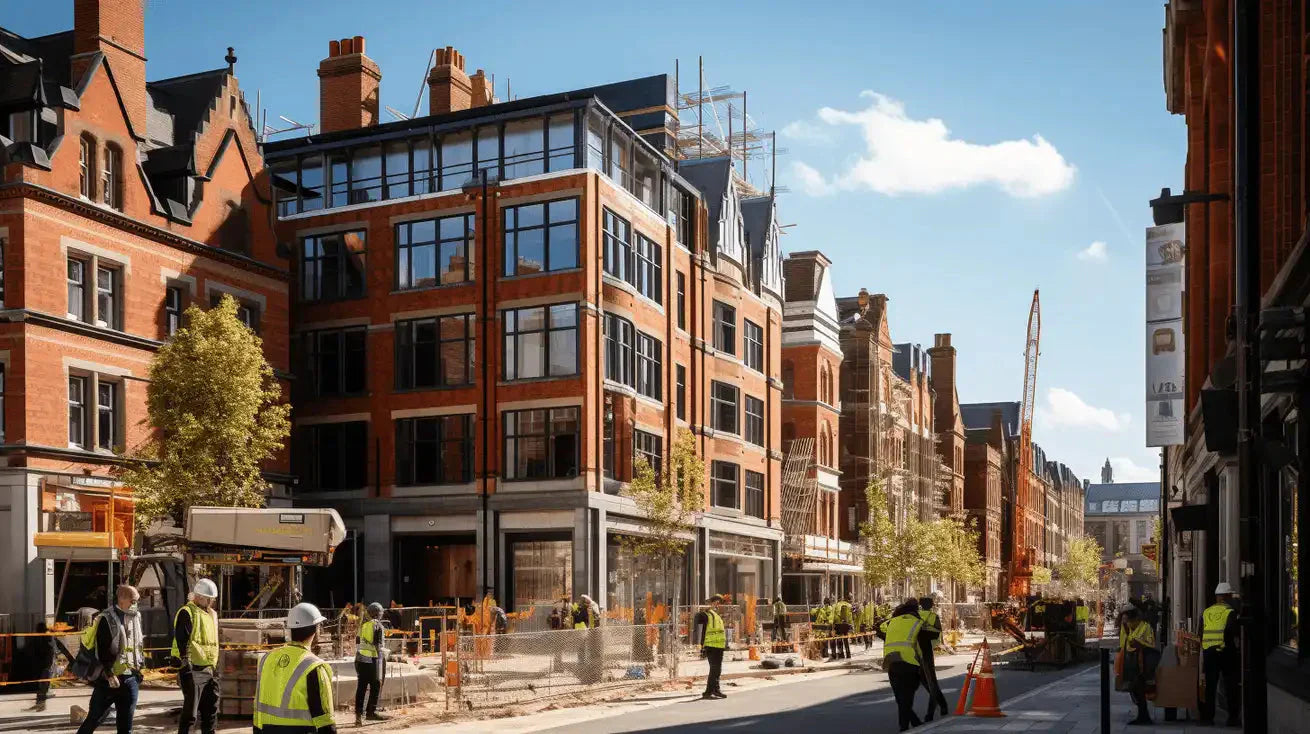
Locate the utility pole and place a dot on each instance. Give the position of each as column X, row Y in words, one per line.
column 1246, row 209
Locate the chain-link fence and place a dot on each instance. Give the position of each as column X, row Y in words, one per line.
column 495, row 670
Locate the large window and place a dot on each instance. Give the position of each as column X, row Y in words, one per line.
column 754, row 494
column 541, row 341
column 334, row 456
column 435, row 352
column 434, row 252
column 618, row 245
column 723, row 406
column 332, row 266
column 541, row 237
column 755, row 420
column 723, row 481
column 650, row 447
column 542, row 571
column 753, row 344
column 77, row 426
column 619, row 350
column 542, row 444
column 437, row 450
column 648, row 269
column 336, row 361
column 650, row 366
column 725, row 328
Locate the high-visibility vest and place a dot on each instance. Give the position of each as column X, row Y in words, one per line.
column 282, row 693
column 202, row 648
column 824, row 617
column 842, row 613
column 902, row 638
column 1080, row 613
column 715, row 636
column 1213, row 621
column 869, row 614
column 1141, row 636
column 779, row 611
column 591, row 618
column 929, row 619
column 131, row 646
column 370, row 633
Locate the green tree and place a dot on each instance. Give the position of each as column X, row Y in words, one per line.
column 217, row 415
column 1080, row 569
column 1041, row 576
column 878, row 535
column 669, row 504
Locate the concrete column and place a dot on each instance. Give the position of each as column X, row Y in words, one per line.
column 582, row 544
column 702, row 588
column 376, row 558
column 602, row 559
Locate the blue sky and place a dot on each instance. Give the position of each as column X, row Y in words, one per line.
column 1057, row 138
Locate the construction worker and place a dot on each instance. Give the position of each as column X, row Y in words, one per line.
column 1219, row 656
column 370, row 665
column 1140, row 657
column 869, row 623
column 900, row 659
column 586, row 616
column 195, row 647
column 293, row 694
column 713, row 638
column 932, row 630
column 779, row 620
column 115, row 638
column 1081, row 613
column 843, row 621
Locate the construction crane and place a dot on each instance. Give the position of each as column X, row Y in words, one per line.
column 1022, row 557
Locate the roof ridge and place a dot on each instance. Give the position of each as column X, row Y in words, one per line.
column 187, row 77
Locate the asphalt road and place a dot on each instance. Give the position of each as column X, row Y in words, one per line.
column 860, row 701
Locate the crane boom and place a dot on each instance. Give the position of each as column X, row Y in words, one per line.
column 1023, row 549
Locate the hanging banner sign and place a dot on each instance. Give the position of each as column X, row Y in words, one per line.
column 1166, row 251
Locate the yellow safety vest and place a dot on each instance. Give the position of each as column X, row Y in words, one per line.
column 370, row 633
column 869, row 614
column 130, row 656
column 779, row 611
column 929, row 619
column 715, row 636
column 282, row 693
column 902, row 638
column 842, row 613
column 1080, row 614
column 825, row 615
column 1141, row 636
column 202, row 648
column 591, row 618
column 1213, row 621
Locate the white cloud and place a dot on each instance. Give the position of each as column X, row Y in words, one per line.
column 1064, row 408
column 808, row 131
column 810, row 180
column 1095, row 252
column 1127, row 470
column 908, row 156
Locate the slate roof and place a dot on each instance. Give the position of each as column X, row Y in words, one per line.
column 1097, row 494
column 907, row 357
column 979, row 416
column 713, row 177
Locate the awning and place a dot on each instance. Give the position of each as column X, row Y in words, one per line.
column 830, row 568
column 1188, row 517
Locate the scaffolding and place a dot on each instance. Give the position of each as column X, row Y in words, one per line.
column 713, row 122
column 800, row 490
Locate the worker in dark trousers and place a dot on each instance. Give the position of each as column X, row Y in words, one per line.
column 708, row 629
column 370, row 665
column 900, row 636
column 843, row 621
column 195, row 647
column 1219, row 656
column 932, row 630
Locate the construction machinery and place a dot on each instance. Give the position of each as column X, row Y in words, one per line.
column 1023, row 553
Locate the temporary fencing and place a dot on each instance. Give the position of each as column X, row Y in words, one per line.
column 494, row 670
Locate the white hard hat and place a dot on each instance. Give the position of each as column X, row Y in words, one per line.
column 205, row 587
column 1223, row 588
column 304, row 615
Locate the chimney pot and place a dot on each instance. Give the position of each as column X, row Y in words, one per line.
column 449, row 87
column 347, row 46
column 334, row 48
column 359, row 44
column 347, row 87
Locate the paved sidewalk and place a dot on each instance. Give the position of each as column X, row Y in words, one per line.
column 1068, row 706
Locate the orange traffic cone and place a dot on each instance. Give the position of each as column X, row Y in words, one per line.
column 985, row 701
column 964, row 690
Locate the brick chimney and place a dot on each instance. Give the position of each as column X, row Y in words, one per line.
column 942, row 356
column 347, row 87
column 449, row 88
column 482, row 89
column 117, row 29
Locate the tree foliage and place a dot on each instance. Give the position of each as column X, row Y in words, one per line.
column 669, row 502
column 1079, row 571
column 217, row 415
column 878, row 533
column 1041, row 576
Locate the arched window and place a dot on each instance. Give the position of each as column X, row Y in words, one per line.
column 111, row 177
column 86, row 166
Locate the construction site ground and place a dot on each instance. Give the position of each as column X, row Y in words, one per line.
column 159, row 701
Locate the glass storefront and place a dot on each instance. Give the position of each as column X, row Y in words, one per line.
column 631, row 578
column 541, row 571
column 740, row 565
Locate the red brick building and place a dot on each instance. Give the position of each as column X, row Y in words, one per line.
column 947, row 423
column 498, row 306
column 125, row 201
column 817, row 562
column 982, row 500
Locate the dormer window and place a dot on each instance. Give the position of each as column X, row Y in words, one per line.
column 111, row 176
column 86, row 164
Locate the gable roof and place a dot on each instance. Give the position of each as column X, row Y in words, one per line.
column 1119, row 492
column 713, row 177
column 979, row 416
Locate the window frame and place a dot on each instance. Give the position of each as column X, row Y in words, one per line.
column 305, row 263
column 647, row 267
column 546, row 227
column 616, row 249
column 717, row 481
column 79, row 438
column 752, row 340
column 648, row 353
column 310, row 440
column 107, row 415
column 405, row 331
column 403, row 260
column 753, row 497
column 754, row 422
column 725, row 330
column 718, row 404
column 549, row 435
column 111, row 177
column 87, row 167
column 648, row 446
column 620, row 350
column 312, row 344
column 548, row 330
column 681, row 392
column 407, row 441
column 173, row 312
column 114, row 293
column 682, row 301
column 80, row 285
